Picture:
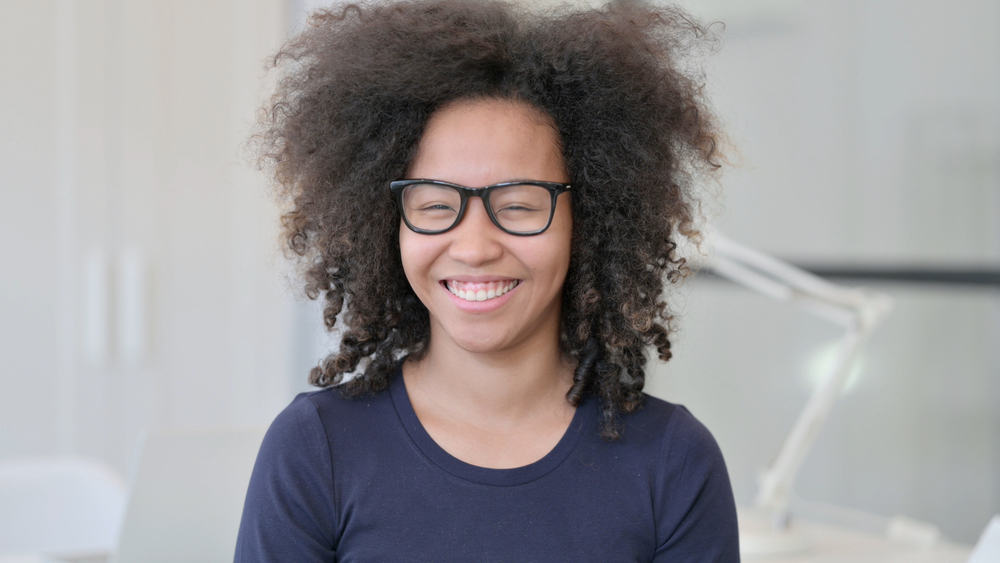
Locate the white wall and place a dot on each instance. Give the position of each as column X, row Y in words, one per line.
column 141, row 280
column 867, row 131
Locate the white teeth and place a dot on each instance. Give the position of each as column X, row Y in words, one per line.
column 480, row 291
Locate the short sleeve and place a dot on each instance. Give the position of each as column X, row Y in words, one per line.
column 289, row 510
column 696, row 513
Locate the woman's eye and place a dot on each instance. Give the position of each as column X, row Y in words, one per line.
column 436, row 207
column 517, row 207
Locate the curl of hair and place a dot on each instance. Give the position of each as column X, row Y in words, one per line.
column 356, row 90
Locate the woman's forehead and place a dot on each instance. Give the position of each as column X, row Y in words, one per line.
column 482, row 141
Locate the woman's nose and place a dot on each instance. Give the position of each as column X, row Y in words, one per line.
column 475, row 240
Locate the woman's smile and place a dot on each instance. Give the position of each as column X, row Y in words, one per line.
column 480, row 297
column 480, row 291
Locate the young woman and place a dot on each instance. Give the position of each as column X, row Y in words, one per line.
column 488, row 199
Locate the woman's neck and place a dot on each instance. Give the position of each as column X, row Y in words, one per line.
column 500, row 388
column 500, row 410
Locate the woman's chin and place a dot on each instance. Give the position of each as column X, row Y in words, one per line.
column 481, row 344
column 475, row 338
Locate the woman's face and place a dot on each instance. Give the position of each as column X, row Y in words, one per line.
column 476, row 143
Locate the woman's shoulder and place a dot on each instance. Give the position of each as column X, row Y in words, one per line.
column 301, row 448
column 658, row 422
column 672, row 444
column 329, row 411
column 291, row 498
column 690, row 488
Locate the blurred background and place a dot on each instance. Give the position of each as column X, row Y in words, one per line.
column 144, row 289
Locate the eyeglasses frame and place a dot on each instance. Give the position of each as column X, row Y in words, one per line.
column 396, row 187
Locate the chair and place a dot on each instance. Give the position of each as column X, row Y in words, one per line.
column 187, row 496
column 64, row 507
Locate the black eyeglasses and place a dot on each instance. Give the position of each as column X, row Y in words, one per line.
column 521, row 207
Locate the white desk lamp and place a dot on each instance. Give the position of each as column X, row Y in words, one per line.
column 858, row 311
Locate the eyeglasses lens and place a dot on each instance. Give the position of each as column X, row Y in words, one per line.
column 519, row 208
column 431, row 207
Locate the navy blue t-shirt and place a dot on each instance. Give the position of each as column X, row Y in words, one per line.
column 349, row 480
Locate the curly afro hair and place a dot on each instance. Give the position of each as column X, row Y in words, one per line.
column 356, row 90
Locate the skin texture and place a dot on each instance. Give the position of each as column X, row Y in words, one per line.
column 490, row 388
column 356, row 93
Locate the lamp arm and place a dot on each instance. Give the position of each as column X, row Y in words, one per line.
column 855, row 309
column 779, row 478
